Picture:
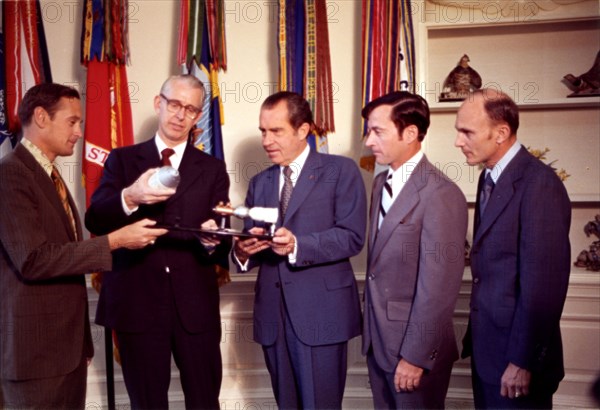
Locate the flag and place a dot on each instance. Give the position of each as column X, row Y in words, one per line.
column 388, row 53
column 24, row 60
column 104, row 51
column 202, row 52
column 305, row 63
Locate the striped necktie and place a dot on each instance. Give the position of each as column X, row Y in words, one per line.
column 61, row 189
column 386, row 198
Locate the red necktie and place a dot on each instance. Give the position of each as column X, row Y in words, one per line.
column 166, row 155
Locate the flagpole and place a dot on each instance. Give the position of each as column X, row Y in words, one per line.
column 110, row 368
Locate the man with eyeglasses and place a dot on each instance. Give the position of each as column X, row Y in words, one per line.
column 164, row 300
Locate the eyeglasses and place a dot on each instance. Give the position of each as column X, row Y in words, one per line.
column 174, row 106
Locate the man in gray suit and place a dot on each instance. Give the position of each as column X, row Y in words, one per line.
column 46, row 343
column 418, row 224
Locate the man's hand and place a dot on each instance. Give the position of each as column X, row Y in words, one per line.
column 210, row 241
column 283, row 242
column 515, row 382
column 135, row 236
column 246, row 248
column 407, row 376
column 140, row 192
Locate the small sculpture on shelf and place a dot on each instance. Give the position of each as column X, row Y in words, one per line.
column 590, row 259
column 460, row 82
column 587, row 84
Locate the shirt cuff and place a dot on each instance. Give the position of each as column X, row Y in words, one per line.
column 125, row 207
column 294, row 255
column 243, row 266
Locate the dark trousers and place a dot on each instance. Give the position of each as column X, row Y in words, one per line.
column 62, row 392
column 431, row 393
column 303, row 376
column 146, row 363
column 487, row 396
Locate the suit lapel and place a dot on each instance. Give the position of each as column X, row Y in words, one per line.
column 188, row 167
column 375, row 201
column 502, row 193
column 45, row 183
column 305, row 184
column 147, row 156
column 406, row 201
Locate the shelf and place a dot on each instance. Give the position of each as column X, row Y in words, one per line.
column 526, row 57
column 557, row 104
column 511, row 23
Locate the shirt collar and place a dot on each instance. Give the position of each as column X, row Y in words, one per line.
column 404, row 171
column 297, row 164
column 39, row 156
column 504, row 161
column 179, row 150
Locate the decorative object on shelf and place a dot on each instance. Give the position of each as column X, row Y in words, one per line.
column 590, row 259
column 460, row 82
column 587, row 84
column 541, row 155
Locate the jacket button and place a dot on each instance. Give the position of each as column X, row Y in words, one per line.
column 476, row 280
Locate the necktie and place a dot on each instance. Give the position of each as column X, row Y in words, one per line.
column 386, row 199
column 286, row 192
column 486, row 193
column 166, row 155
column 61, row 189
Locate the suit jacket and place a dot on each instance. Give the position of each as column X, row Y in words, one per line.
column 141, row 280
column 415, row 267
column 44, row 326
column 520, row 262
column 327, row 214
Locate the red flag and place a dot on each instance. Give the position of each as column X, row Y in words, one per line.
column 108, row 119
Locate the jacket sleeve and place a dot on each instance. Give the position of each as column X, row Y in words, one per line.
column 544, row 268
column 31, row 232
column 440, row 270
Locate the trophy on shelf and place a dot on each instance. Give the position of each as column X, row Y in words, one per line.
column 587, row 84
column 462, row 80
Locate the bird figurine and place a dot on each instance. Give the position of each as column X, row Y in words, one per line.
column 587, row 84
column 461, row 81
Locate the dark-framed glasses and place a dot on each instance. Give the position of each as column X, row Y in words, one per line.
column 173, row 106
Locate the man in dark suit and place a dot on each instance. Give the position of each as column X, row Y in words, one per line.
column 520, row 260
column 418, row 224
column 164, row 300
column 306, row 306
column 45, row 343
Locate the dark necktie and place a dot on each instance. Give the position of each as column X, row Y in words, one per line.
column 61, row 189
column 286, row 192
column 386, row 199
column 166, row 156
column 486, row 193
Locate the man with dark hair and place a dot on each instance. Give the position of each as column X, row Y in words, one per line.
column 418, row 224
column 164, row 300
column 44, row 327
column 520, row 260
column 306, row 306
